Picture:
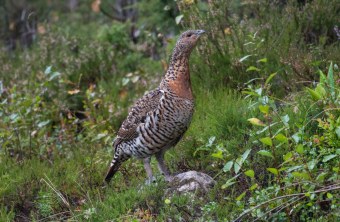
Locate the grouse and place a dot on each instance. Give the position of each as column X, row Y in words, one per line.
column 159, row 119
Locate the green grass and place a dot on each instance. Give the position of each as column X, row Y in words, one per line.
column 77, row 173
column 57, row 126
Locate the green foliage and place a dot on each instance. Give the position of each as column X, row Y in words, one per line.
column 45, row 203
column 273, row 150
column 158, row 15
column 305, row 166
column 6, row 215
column 256, row 38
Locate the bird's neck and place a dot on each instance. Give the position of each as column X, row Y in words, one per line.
column 177, row 77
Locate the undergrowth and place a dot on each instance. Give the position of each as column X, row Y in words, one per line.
column 266, row 125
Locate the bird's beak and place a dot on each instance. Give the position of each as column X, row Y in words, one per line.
column 200, row 32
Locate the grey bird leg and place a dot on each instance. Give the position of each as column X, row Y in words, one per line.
column 148, row 170
column 161, row 165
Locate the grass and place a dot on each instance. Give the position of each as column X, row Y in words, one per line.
column 63, row 99
column 76, row 176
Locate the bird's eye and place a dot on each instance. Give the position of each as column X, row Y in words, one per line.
column 189, row 35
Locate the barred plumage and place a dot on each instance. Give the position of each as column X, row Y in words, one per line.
column 159, row 119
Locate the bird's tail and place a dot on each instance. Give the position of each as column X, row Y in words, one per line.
column 118, row 158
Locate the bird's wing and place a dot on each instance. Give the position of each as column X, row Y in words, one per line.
column 138, row 114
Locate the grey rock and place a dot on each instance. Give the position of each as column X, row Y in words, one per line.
column 191, row 181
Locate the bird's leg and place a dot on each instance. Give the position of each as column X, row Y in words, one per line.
column 161, row 165
column 148, row 170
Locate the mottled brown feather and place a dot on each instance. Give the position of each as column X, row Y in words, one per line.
column 137, row 114
column 160, row 118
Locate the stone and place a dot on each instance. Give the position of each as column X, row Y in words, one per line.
column 191, row 181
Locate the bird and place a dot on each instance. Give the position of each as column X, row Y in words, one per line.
column 158, row 120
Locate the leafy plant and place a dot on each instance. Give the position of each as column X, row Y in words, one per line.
column 305, row 166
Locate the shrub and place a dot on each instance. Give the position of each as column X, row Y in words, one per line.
column 303, row 164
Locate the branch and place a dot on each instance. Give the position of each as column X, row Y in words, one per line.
column 329, row 188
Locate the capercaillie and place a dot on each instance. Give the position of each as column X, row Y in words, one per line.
column 159, row 119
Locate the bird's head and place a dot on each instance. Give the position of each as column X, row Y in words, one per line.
column 187, row 41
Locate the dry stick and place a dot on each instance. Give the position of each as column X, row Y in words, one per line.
column 53, row 215
column 282, row 206
column 320, row 114
column 50, row 184
column 278, row 207
column 285, row 196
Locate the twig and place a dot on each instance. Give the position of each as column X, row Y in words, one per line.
column 329, row 188
column 50, row 184
column 280, row 207
column 283, row 207
column 320, row 114
column 54, row 215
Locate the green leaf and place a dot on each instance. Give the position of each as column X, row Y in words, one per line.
column 264, row 109
column 250, row 173
column 253, row 68
column 329, row 195
column 330, row 78
column 265, row 153
column 285, row 118
column 282, row 138
column 43, row 123
column 245, row 154
column 218, row 154
column 211, row 141
column 227, row 184
column 337, row 131
column 264, row 60
column 328, row 157
column 244, row 58
column 311, row 164
column 321, row 177
column 273, row 171
column 320, row 90
column 238, row 164
column 271, row 76
column 296, row 137
column 299, row 149
column 301, row 175
column 259, row 91
column 287, row 156
column 100, row 136
column 250, row 93
column 256, row 122
column 254, row 186
column 315, row 96
column 14, row 116
column 178, row 19
column 48, row 70
column 241, row 196
column 53, row 76
column 290, row 169
column 323, row 78
column 167, row 201
column 227, row 167
column 266, row 141
column 125, row 81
